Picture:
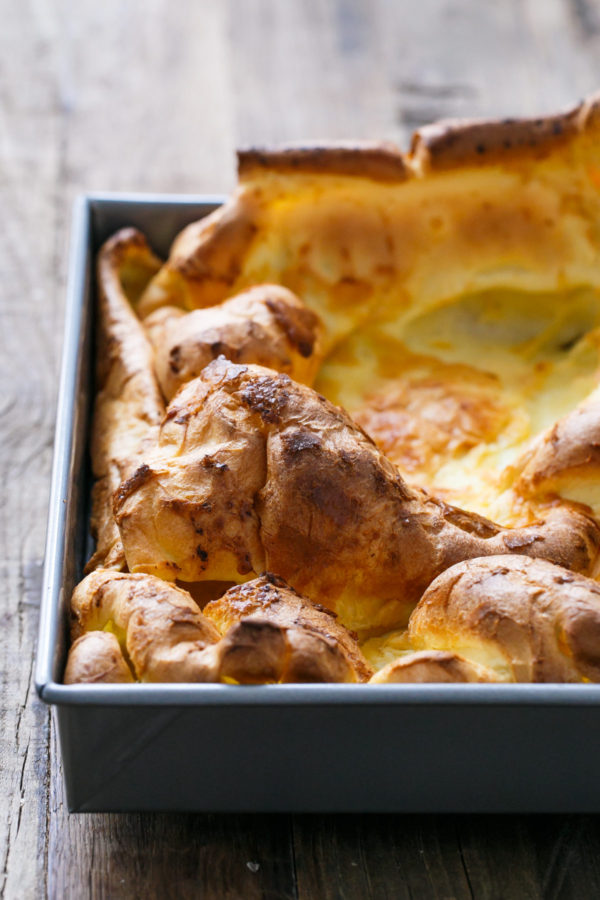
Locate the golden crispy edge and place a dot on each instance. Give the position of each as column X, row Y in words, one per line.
column 206, row 252
column 266, row 324
column 378, row 161
column 206, row 258
column 446, row 144
column 321, row 484
column 454, row 143
column 124, row 371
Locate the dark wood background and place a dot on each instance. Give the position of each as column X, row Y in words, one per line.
column 154, row 96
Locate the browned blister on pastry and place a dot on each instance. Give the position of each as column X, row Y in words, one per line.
column 128, row 626
column 525, row 619
column 316, row 646
column 433, row 667
column 266, row 325
column 253, row 471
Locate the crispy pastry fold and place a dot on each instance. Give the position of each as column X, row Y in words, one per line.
column 524, row 619
column 252, row 470
column 128, row 627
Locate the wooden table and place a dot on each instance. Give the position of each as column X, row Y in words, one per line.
column 154, row 96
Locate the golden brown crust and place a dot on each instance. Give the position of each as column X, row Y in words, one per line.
column 421, row 421
column 253, row 471
column 96, row 658
column 565, row 459
column 462, row 142
column 433, row 667
column 319, row 647
column 382, row 161
column 128, row 404
column 266, row 325
column 188, row 511
column 162, row 630
column 527, row 619
column 205, row 259
column 259, row 633
column 441, row 145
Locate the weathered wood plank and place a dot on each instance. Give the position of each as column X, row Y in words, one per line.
column 29, row 176
column 483, row 857
column 465, row 59
column 147, row 89
column 384, row 857
column 531, row 856
column 138, row 857
column 308, row 71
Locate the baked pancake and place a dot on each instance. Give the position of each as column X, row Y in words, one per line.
column 410, row 382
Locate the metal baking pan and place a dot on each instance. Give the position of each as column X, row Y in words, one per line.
column 410, row 748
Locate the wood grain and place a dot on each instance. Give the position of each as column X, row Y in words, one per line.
column 29, row 175
column 136, row 857
column 152, row 95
